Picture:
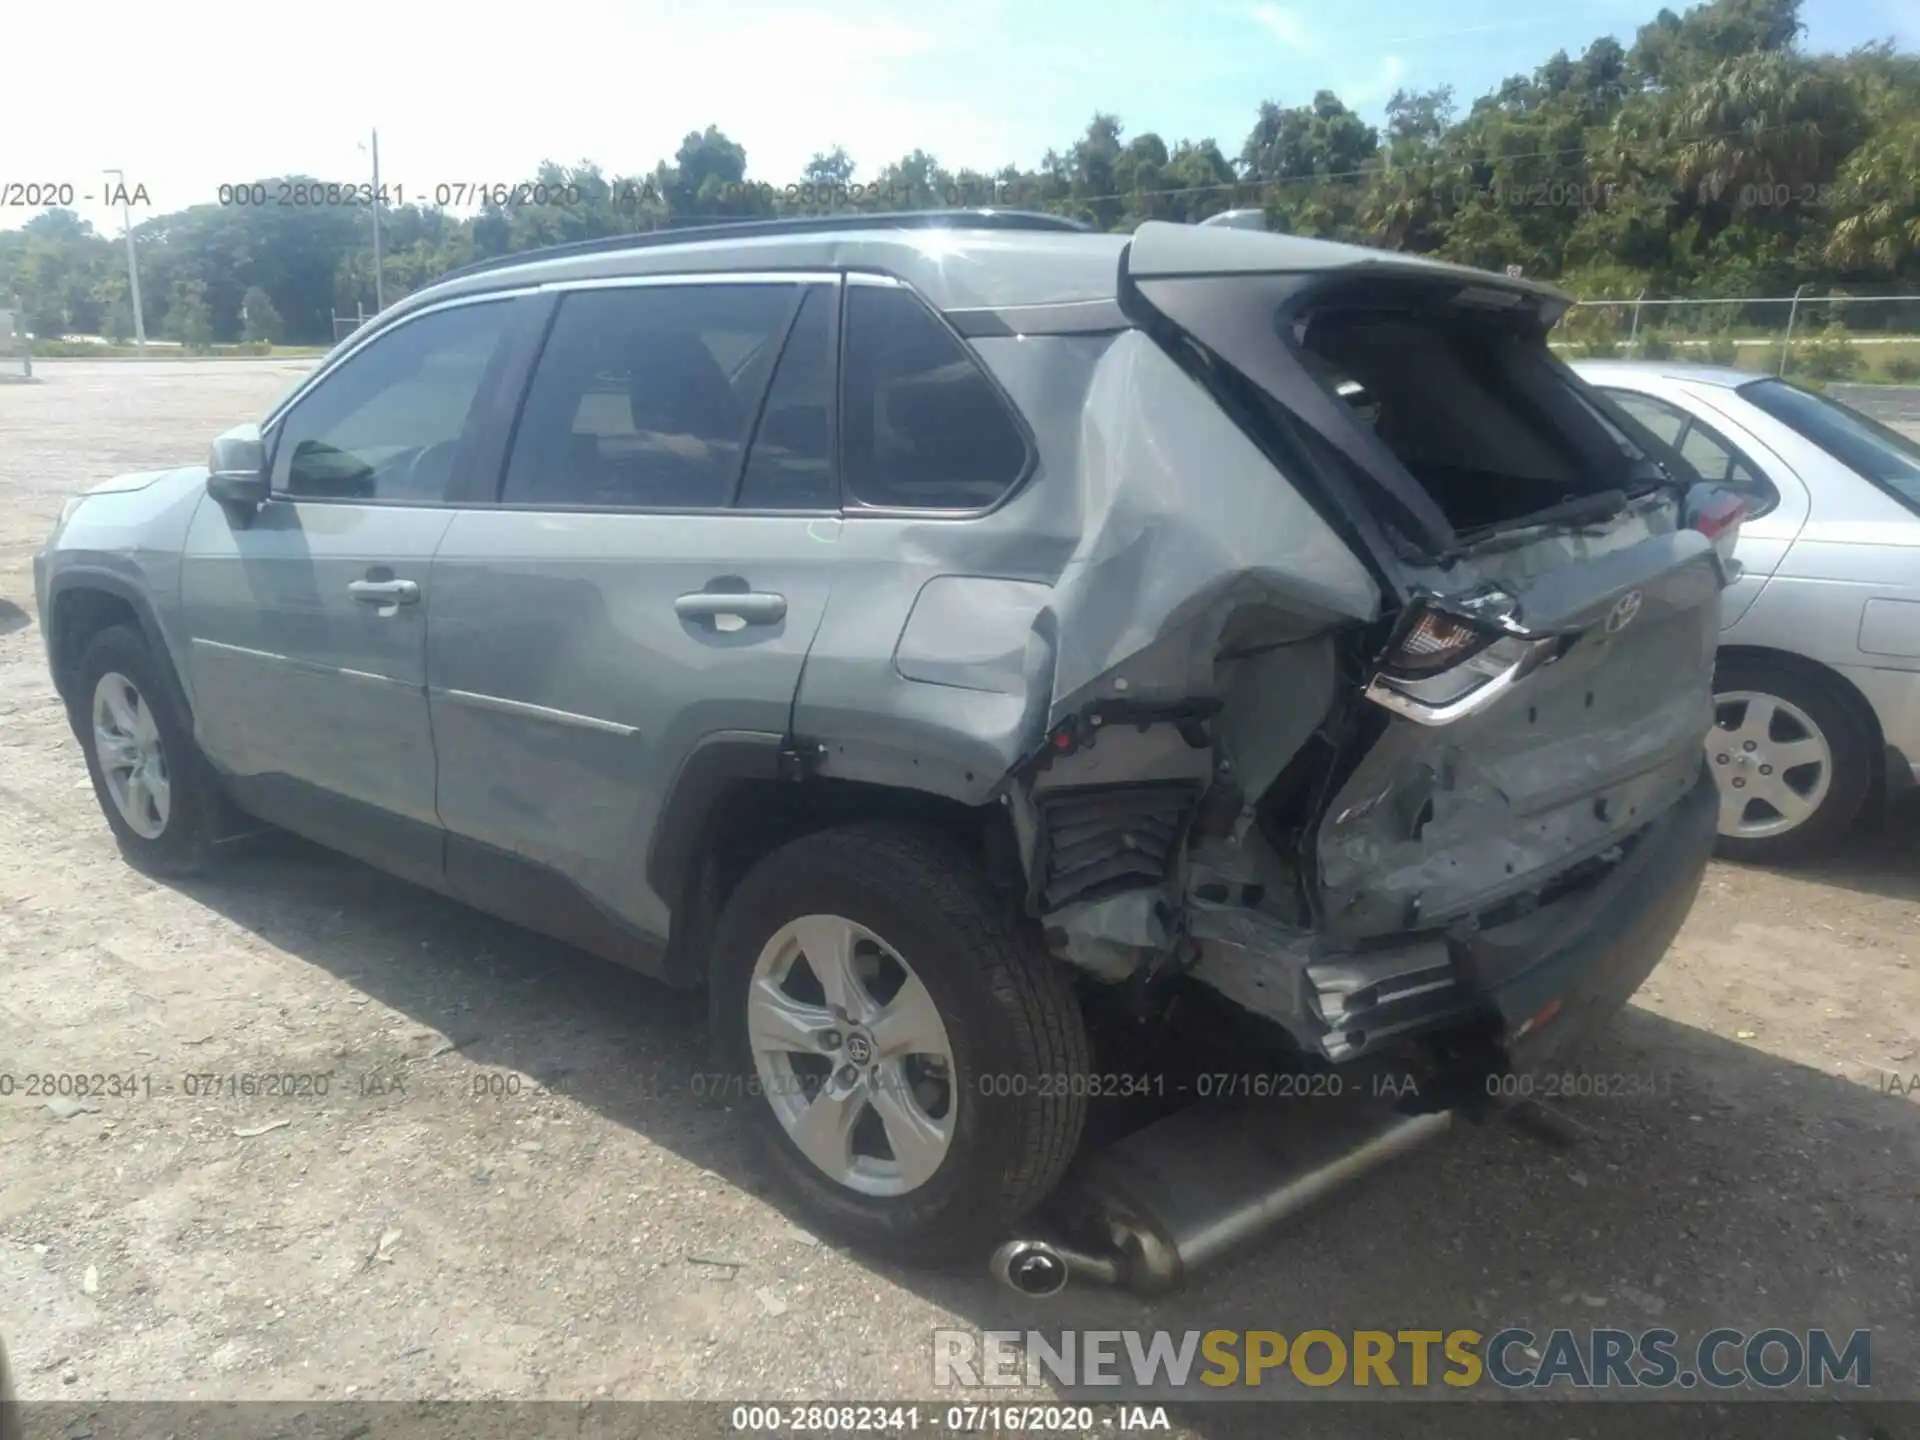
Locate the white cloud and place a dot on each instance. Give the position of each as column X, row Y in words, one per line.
column 1370, row 89
column 1287, row 26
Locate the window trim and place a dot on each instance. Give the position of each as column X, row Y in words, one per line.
column 833, row 415
column 555, row 291
column 853, row 508
column 353, row 346
column 471, row 452
column 1689, row 422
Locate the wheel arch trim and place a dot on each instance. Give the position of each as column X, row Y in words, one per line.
column 61, row 656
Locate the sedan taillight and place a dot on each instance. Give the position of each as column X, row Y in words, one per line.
column 1716, row 514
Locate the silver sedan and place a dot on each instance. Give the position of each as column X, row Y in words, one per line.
column 1818, row 682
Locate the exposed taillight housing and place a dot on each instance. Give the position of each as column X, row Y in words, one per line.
column 1446, row 663
column 1434, row 642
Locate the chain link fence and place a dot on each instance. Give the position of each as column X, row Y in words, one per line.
column 1820, row 337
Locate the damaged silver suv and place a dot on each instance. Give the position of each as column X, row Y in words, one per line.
column 931, row 633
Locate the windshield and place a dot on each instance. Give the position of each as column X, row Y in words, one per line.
column 1865, row 446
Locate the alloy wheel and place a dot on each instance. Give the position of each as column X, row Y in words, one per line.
column 851, row 1053
column 133, row 762
column 1773, row 764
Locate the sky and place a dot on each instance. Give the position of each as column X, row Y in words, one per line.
column 185, row 95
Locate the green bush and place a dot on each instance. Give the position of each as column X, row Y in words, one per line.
column 1599, row 347
column 1651, row 345
column 1903, row 370
column 1721, row 350
column 1830, row 357
column 71, row 350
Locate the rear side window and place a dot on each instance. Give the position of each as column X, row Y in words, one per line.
column 923, row 427
column 1874, row 451
column 1712, row 456
column 644, row 398
column 1662, row 420
column 790, row 466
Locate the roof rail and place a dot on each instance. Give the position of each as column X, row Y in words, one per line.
column 983, row 219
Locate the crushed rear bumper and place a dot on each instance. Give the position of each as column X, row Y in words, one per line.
column 1588, row 943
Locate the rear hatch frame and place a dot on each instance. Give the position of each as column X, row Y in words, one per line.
column 1561, row 580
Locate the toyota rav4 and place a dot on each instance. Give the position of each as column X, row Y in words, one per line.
column 935, row 633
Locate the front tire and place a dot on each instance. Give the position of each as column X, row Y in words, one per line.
column 917, row 1060
column 1792, row 759
column 147, row 772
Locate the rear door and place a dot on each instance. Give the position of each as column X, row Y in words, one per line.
column 308, row 618
column 652, row 574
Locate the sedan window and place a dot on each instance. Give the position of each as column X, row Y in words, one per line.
column 1713, row 457
column 1871, row 450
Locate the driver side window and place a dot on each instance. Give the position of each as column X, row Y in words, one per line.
column 386, row 425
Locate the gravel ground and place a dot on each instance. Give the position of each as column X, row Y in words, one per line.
column 515, row 1189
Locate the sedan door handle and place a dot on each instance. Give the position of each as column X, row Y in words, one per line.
column 389, row 595
column 752, row 607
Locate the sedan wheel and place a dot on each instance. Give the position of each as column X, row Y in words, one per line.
column 133, row 761
column 1791, row 756
column 851, row 1053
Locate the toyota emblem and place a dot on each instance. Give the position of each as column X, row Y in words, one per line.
column 1624, row 612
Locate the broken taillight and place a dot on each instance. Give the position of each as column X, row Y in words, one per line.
column 1446, row 664
column 1434, row 642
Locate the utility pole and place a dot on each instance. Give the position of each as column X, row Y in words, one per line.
column 379, row 277
column 133, row 263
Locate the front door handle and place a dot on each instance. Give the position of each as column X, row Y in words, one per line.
column 751, row 607
column 389, row 595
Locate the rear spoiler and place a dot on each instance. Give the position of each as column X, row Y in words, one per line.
column 1162, row 250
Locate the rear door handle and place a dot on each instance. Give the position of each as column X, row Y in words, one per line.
column 750, row 606
column 389, row 595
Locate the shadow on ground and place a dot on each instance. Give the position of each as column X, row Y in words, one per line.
column 1880, row 858
column 1732, row 1188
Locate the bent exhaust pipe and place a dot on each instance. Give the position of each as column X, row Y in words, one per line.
column 1200, row 1185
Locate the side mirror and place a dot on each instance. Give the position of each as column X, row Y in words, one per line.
column 237, row 468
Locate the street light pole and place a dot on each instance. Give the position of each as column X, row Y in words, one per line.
column 133, row 263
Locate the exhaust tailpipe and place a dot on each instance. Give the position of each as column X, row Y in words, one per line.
column 1202, row 1184
column 1040, row 1268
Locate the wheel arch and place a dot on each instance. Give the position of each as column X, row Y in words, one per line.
column 81, row 603
column 739, row 796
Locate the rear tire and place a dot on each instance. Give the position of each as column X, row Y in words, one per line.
column 152, row 783
column 1768, row 713
column 995, row 1079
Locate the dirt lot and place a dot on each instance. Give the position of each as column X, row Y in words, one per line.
column 598, row 1228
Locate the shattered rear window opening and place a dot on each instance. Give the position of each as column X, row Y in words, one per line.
column 1464, row 407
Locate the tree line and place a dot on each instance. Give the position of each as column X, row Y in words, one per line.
column 1712, row 157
